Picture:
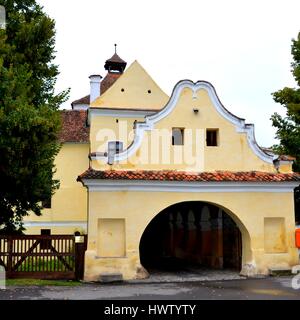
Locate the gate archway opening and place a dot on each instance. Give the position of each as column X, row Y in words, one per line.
column 191, row 234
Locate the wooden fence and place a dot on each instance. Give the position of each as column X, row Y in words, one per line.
column 43, row 256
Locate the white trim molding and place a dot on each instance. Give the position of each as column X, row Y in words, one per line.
column 75, row 142
column 151, row 120
column 80, row 106
column 51, row 224
column 119, row 113
column 95, row 185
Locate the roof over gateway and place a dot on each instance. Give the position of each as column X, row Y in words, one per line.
column 172, row 175
column 135, row 89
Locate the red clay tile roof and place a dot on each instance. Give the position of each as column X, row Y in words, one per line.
column 253, row 176
column 282, row 157
column 84, row 100
column 109, row 80
column 286, row 158
column 74, row 127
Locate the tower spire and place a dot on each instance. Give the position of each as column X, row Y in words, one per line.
column 115, row 63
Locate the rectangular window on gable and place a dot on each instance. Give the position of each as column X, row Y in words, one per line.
column 212, row 137
column 177, row 136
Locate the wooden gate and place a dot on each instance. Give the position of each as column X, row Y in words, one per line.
column 43, row 256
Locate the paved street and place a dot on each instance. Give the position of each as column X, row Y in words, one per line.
column 265, row 289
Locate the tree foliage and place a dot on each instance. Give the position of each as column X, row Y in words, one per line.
column 29, row 115
column 288, row 127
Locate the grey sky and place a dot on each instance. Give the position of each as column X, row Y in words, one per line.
column 241, row 47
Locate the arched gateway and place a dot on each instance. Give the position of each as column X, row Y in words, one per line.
column 191, row 234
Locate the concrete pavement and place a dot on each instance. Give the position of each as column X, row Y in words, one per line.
column 241, row 289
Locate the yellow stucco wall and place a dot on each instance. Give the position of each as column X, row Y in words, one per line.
column 69, row 203
column 249, row 210
column 286, row 167
column 134, row 89
column 233, row 152
column 104, row 129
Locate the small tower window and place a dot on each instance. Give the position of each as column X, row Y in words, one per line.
column 177, row 136
column 212, row 137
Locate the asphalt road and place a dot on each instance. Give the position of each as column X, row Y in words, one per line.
column 244, row 289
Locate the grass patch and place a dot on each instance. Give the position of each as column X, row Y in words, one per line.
column 46, row 264
column 37, row 282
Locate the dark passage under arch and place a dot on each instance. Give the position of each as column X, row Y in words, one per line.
column 196, row 234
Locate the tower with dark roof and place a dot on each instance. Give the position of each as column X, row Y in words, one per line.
column 115, row 63
column 115, row 67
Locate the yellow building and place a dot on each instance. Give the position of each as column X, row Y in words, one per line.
column 168, row 180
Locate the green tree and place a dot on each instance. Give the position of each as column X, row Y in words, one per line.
column 29, row 112
column 288, row 127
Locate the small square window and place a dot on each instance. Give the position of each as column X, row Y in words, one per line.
column 177, row 136
column 212, row 137
column 46, row 204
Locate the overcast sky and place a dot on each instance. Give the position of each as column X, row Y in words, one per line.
column 241, row 47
